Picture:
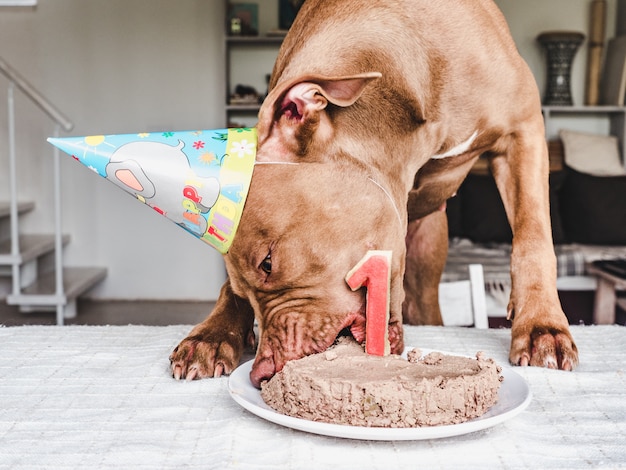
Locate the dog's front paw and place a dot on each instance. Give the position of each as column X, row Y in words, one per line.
column 203, row 354
column 549, row 346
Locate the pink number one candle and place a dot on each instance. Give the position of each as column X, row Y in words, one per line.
column 374, row 273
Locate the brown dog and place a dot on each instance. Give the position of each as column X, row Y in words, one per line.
column 375, row 107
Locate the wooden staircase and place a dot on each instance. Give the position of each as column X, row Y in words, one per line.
column 34, row 262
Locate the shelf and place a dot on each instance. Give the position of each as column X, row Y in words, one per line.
column 243, row 107
column 615, row 114
column 248, row 60
column 255, row 40
column 601, row 109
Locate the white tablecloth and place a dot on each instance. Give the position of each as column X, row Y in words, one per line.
column 102, row 397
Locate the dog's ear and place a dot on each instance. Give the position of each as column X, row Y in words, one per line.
column 295, row 111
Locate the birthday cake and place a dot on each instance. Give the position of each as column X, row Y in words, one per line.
column 344, row 385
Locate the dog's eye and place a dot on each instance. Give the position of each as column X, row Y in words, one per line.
column 266, row 264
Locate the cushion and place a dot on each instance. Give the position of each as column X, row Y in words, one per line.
column 593, row 209
column 557, row 179
column 593, row 154
column 483, row 215
column 455, row 222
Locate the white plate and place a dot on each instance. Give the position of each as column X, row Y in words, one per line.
column 513, row 398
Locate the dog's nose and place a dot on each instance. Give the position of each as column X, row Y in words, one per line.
column 262, row 369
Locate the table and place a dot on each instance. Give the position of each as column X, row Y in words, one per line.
column 102, row 398
column 606, row 298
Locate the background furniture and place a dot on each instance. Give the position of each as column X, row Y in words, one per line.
column 606, row 300
column 462, row 302
column 242, row 56
column 588, row 223
column 615, row 114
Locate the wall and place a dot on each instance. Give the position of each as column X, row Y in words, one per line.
column 117, row 66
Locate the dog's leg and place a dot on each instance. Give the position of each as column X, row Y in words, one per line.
column 540, row 333
column 215, row 346
column 427, row 250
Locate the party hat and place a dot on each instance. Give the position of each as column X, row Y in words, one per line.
column 199, row 180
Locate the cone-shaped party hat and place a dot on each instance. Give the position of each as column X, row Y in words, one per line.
column 199, row 180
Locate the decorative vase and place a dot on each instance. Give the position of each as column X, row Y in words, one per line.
column 561, row 47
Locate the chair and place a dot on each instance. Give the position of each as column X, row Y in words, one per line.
column 463, row 302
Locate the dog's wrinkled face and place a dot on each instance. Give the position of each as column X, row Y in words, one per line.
column 303, row 228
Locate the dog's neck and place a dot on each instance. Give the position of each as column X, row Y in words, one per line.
column 393, row 203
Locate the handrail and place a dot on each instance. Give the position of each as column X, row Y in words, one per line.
column 36, row 97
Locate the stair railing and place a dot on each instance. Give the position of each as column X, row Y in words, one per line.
column 61, row 121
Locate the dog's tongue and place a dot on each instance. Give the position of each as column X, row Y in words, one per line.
column 199, row 180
